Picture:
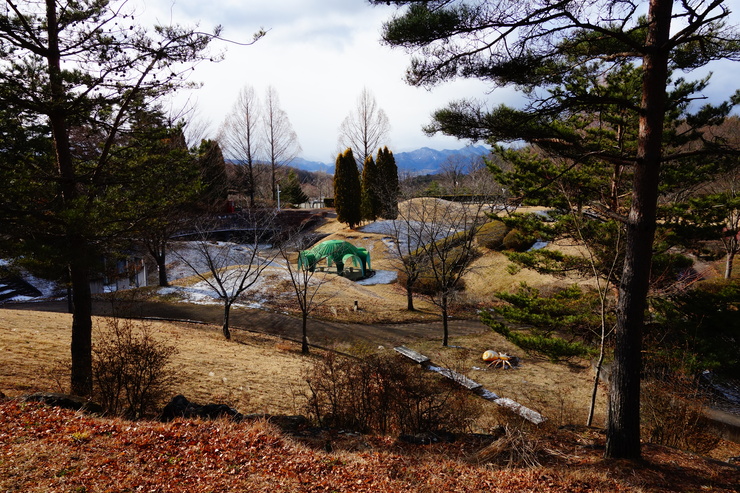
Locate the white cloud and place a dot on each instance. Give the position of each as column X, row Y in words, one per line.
column 319, row 54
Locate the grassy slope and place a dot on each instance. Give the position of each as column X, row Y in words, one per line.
column 57, row 451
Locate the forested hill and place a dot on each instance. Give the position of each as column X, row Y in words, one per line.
column 419, row 161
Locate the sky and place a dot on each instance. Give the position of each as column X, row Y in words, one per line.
column 319, row 55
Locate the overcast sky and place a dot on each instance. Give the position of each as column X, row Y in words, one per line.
column 318, row 55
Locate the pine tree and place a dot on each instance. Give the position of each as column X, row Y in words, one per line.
column 213, row 172
column 388, row 189
column 347, row 189
column 291, row 191
column 371, row 206
column 531, row 44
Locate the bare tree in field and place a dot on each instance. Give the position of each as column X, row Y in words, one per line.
column 364, row 129
column 449, row 254
column 242, row 140
column 230, row 269
column 406, row 257
column 303, row 279
column 281, row 141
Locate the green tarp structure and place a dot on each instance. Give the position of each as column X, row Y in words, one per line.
column 335, row 252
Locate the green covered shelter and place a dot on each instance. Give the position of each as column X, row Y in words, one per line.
column 335, row 252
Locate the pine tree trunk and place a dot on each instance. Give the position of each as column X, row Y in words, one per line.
column 623, row 427
column 81, row 381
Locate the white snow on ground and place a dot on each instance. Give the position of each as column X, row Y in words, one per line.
column 187, row 253
column 380, row 277
column 48, row 289
column 408, row 233
column 201, row 292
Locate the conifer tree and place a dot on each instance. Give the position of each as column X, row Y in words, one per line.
column 530, row 45
column 388, row 189
column 213, row 172
column 371, row 206
column 83, row 67
column 291, row 191
column 347, row 189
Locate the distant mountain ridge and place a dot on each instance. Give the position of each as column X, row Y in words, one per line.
column 418, row 162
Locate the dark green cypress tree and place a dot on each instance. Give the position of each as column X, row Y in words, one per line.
column 213, row 173
column 371, row 206
column 347, row 189
column 388, row 189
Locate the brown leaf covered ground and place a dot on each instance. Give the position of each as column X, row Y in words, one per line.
column 43, row 449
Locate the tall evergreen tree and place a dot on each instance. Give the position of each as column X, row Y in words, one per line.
column 388, row 189
column 213, row 173
column 531, row 44
column 347, row 189
column 83, row 70
column 370, row 186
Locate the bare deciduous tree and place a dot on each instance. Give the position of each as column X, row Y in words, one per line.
column 281, row 141
column 450, row 253
column 364, row 129
column 305, row 282
column 241, row 139
column 406, row 256
column 234, row 267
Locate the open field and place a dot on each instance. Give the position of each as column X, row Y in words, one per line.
column 262, row 373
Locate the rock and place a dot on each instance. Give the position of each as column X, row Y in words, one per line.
column 181, row 407
column 65, row 401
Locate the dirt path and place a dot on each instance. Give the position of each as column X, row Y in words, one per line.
column 320, row 332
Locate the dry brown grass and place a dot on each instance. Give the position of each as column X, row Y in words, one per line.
column 255, row 372
column 260, row 373
column 561, row 392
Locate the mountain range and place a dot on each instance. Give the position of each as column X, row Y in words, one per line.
column 424, row 161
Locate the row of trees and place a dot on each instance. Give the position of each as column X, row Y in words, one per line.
column 258, row 132
column 369, row 197
column 560, row 54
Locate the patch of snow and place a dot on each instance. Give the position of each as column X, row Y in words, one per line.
column 409, row 234
column 380, row 277
column 538, row 245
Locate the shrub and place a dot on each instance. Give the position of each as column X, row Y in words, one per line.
column 382, row 394
column 517, row 241
column 491, row 235
column 555, row 348
column 131, row 369
column 671, row 408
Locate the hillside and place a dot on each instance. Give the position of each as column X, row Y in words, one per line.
column 262, row 371
column 45, row 449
